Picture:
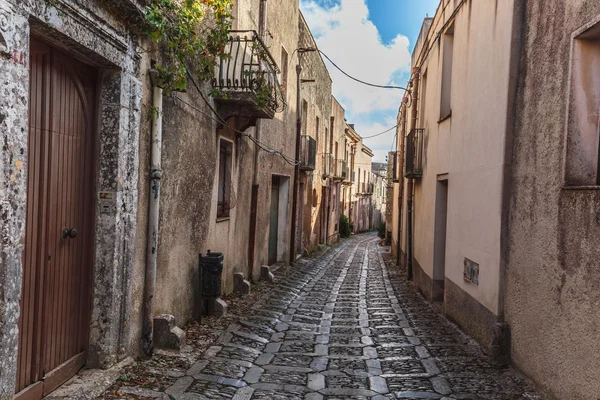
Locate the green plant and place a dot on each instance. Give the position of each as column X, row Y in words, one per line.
column 192, row 35
column 345, row 229
column 381, row 229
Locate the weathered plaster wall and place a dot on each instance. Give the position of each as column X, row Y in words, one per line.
column 338, row 138
column 553, row 282
column 318, row 96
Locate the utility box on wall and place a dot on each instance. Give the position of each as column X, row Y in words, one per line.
column 471, row 273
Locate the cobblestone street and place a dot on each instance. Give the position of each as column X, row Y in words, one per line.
column 341, row 326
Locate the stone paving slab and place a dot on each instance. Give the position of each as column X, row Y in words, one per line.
column 338, row 327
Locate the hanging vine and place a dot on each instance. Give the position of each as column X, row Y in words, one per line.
column 192, row 35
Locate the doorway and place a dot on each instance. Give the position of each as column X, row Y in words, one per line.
column 274, row 220
column 278, row 226
column 439, row 244
column 299, row 231
column 57, row 260
column 323, row 212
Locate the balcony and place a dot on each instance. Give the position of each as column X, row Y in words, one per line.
column 341, row 171
column 414, row 154
column 245, row 83
column 308, row 153
column 328, row 165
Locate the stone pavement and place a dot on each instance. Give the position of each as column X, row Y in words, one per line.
column 341, row 326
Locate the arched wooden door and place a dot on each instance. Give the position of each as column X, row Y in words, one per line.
column 55, row 301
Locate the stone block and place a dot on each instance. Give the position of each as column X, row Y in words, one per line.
column 240, row 284
column 216, row 307
column 167, row 335
column 500, row 347
column 266, row 274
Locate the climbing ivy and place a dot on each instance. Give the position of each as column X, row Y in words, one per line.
column 192, row 35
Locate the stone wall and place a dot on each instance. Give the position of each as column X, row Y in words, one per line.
column 317, row 94
column 99, row 37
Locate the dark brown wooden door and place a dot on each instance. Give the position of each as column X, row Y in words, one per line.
column 55, row 302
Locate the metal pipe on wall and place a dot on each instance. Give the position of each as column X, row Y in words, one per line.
column 153, row 215
column 297, row 167
column 262, row 30
column 410, row 186
column 399, row 170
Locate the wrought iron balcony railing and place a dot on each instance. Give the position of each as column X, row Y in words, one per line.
column 414, row 154
column 308, row 155
column 245, row 80
column 327, row 164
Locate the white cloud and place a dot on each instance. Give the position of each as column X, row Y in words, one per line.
column 345, row 34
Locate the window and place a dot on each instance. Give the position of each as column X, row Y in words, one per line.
column 304, row 116
column 422, row 95
column 317, row 135
column 284, row 70
column 583, row 128
column 448, row 46
column 224, row 179
column 315, row 199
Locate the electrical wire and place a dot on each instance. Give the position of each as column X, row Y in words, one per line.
column 358, row 80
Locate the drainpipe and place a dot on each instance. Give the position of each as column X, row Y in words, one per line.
column 410, row 186
column 254, row 205
column 262, row 30
column 153, row 213
column 297, row 167
column 399, row 170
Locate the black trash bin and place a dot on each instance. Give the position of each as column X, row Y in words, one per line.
column 211, row 269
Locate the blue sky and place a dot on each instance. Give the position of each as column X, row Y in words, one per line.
column 371, row 40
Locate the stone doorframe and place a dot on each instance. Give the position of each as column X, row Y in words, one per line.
column 86, row 34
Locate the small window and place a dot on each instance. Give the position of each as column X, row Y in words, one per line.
column 315, row 199
column 304, row 116
column 583, row 127
column 284, row 70
column 224, row 183
column 448, row 46
column 317, row 133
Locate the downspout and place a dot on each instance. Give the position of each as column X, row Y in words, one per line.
column 297, row 167
column 399, row 171
column 153, row 214
column 410, row 186
column 262, row 30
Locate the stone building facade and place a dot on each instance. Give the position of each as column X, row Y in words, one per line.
column 314, row 192
column 77, row 86
column 47, row 38
column 455, row 153
column 504, row 168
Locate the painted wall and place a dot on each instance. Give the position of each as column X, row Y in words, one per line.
column 553, row 281
column 468, row 149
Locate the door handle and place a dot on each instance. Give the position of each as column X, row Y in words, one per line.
column 69, row 233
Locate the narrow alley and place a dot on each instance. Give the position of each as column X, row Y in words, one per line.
column 340, row 325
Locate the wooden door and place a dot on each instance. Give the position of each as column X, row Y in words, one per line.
column 55, row 301
column 274, row 221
